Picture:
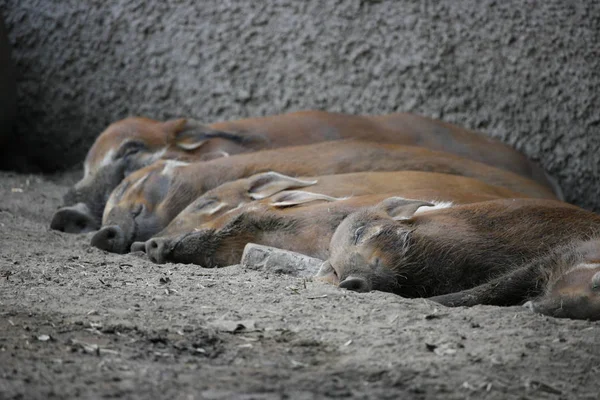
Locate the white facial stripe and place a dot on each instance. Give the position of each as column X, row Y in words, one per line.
column 106, row 160
column 236, row 208
column 108, row 207
column 109, row 158
column 439, row 205
column 139, row 182
column 158, row 155
column 586, row 266
column 171, row 165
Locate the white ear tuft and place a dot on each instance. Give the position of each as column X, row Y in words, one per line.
column 267, row 184
column 190, row 145
column 400, row 208
column 191, row 134
column 296, row 197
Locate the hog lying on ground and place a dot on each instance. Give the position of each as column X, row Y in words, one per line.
column 278, row 221
column 133, row 143
column 146, row 201
column 500, row 252
column 233, row 194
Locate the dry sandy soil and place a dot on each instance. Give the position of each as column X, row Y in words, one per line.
column 78, row 322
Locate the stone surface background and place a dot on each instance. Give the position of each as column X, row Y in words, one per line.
column 8, row 88
column 527, row 72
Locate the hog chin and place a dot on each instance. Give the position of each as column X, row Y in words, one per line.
column 192, row 248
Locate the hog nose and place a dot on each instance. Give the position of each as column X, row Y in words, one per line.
column 138, row 246
column 155, row 249
column 355, row 284
column 110, row 238
column 72, row 220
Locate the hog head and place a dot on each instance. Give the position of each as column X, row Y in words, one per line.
column 142, row 205
column 125, row 147
column 220, row 242
column 368, row 244
column 230, row 195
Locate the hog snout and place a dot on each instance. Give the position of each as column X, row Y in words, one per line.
column 156, row 249
column 190, row 248
column 138, row 246
column 111, row 238
column 74, row 219
column 356, row 284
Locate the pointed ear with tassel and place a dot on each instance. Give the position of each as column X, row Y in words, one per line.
column 268, row 183
column 188, row 134
column 291, row 198
column 400, row 208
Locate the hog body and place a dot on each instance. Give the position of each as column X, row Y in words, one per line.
column 133, row 143
column 277, row 221
column 229, row 195
column 145, row 202
column 501, row 252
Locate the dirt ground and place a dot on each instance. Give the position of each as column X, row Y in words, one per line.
column 78, row 322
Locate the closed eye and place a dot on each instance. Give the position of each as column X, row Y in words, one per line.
column 138, row 210
column 205, row 203
column 377, row 263
column 129, row 148
column 358, row 234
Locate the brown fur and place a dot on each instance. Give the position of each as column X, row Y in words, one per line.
column 564, row 283
column 130, row 144
column 220, row 241
column 306, row 127
column 498, row 252
column 153, row 134
column 229, row 195
column 191, row 181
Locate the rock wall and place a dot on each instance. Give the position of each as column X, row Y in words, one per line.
column 527, row 72
column 8, row 89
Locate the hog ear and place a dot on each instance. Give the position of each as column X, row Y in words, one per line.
column 290, row 198
column 267, row 184
column 189, row 134
column 209, row 208
column 213, row 155
column 399, row 208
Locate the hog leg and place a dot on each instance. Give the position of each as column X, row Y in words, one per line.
column 508, row 289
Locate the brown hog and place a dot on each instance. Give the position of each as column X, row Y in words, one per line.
column 275, row 222
column 133, row 143
column 233, row 194
column 500, row 252
column 145, row 202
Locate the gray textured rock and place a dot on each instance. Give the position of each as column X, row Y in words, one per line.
column 527, row 72
column 278, row 261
